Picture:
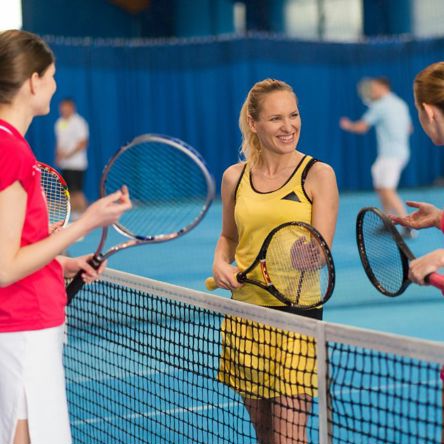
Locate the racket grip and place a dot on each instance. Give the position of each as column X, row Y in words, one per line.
column 210, row 283
column 77, row 282
column 437, row 280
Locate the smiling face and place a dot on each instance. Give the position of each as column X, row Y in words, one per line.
column 279, row 124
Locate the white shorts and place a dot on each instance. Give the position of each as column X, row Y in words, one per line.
column 32, row 386
column 386, row 172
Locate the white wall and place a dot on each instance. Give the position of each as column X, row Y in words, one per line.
column 342, row 19
column 428, row 17
column 10, row 14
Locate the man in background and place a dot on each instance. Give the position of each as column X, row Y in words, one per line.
column 72, row 135
column 390, row 116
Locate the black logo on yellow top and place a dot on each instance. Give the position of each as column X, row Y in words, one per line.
column 291, row 196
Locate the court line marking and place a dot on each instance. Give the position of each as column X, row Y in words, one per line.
column 180, row 411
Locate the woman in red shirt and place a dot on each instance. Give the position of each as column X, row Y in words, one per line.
column 32, row 295
column 429, row 101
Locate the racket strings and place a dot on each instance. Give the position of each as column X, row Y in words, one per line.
column 382, row 253
column 297, row 265
column 57, row 197
column 167, row 195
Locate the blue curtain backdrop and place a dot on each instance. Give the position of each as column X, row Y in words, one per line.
column 194, row 90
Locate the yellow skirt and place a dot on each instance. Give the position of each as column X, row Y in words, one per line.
column 266, row 362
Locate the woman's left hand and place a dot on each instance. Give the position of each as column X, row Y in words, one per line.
column 72, row 265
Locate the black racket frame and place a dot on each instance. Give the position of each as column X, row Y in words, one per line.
column 406, row 254
column 242, row 277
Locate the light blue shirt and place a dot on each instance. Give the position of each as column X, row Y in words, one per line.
column 391, row 119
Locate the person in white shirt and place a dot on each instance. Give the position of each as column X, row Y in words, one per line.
column 390, row 116
column 72, row 135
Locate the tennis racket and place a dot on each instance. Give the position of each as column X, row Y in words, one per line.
column 57, row 195
column 295, row 264
column 384, row 255
column 170, row 189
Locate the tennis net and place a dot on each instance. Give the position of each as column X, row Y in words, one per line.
column 149, row 362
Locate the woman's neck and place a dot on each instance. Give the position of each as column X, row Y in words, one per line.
column 272, row 165
column 15, row 117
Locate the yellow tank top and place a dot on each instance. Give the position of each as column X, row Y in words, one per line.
column 256, row 214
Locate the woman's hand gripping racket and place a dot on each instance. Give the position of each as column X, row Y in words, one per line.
column 384, row 255
column 57, row 196
column 170, row 187
column 296, row 266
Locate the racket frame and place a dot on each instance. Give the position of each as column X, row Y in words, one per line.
column 186, row 149
column 404, row 251
column 261, row 260
column 134, row 239
column 48, row 169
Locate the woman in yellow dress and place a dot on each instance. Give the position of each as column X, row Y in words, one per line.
column 274, row 371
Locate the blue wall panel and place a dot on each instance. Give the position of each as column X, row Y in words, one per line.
column 194, row 91
column 79, row 18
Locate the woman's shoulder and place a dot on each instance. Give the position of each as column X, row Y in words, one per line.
column 313, row 166
column 321, row 174
column 316, row 166
column 322, row 167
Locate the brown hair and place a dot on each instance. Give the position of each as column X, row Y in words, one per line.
column 252, row 108
column 383, row 81
column 429, row 86
column 21, row 55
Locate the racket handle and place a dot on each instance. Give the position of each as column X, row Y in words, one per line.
column 77, row 283
column 210, row 283
column 437, row 280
